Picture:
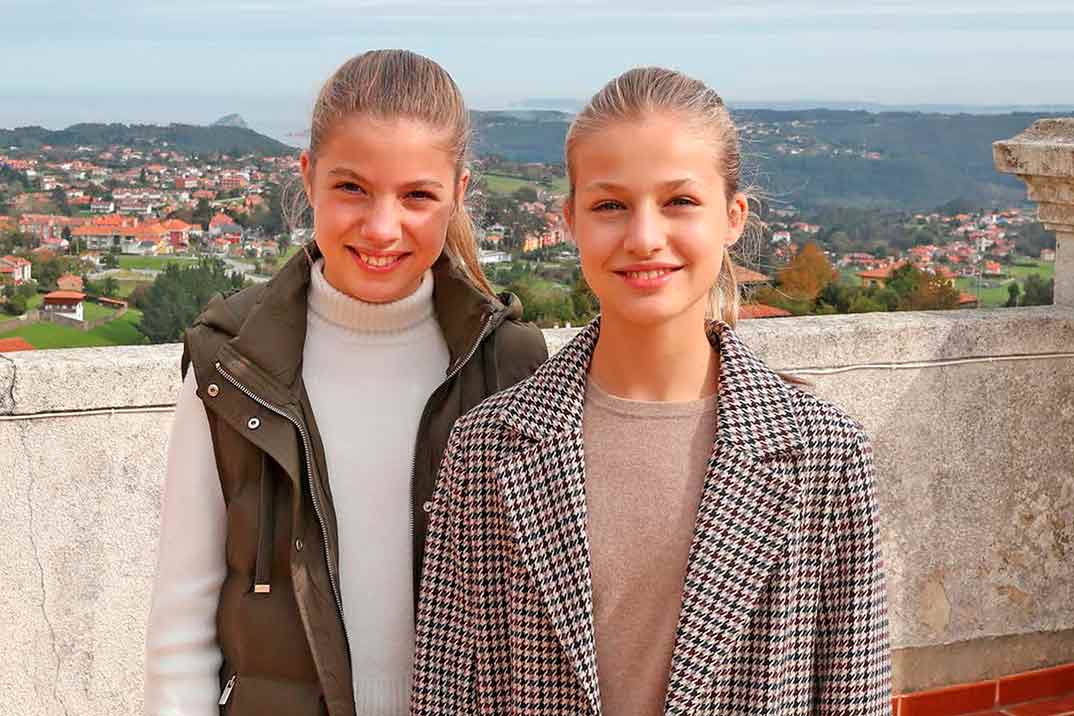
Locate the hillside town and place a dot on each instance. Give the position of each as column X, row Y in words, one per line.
column 115, row 217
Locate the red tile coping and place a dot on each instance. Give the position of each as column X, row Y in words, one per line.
column 1045, row 692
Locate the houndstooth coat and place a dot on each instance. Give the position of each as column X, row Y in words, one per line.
column 784, row 606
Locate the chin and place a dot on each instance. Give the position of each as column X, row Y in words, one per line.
column 654, row 312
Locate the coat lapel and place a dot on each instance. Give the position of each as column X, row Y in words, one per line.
column 543, row 488
column 747, row 512
column 545, row 497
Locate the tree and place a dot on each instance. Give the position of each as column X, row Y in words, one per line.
column 59, row 200
column 203, row 213
column 139, row 295
column 932, row 293
column 45, row 268
column 807, row 274
column 864, row 304
column 525, row 194
column 1014, row 292
column 1037, row 291
column 921, row 291
column 583, row 301
column 109, row 287
column 836, row 295
column 16, row 305
column 178, row 295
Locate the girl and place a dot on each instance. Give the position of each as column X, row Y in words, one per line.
column 310, row 429
column 655, row 522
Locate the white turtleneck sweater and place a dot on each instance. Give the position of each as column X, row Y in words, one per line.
column 369, row 370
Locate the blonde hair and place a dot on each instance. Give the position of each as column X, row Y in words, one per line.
column 649, row 90
column 399, row 84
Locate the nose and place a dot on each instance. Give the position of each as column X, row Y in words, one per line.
column 382, row 226
column 646, row 233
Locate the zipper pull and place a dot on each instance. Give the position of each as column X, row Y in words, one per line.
column 226, row 693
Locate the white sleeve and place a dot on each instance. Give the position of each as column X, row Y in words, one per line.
column 182, row 657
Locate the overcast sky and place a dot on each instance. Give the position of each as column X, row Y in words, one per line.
column 139, row 61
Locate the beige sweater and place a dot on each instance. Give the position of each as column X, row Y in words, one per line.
column 645, row 466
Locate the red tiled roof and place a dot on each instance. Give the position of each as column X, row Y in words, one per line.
column 176, row 225
column 884, row 272
column 10, row 345
column 760, row 310
column 65, row 296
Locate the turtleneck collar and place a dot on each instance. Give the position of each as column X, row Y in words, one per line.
column 359, row 316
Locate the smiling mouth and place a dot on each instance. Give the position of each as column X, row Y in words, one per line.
column 648, row 274
column 378, row 261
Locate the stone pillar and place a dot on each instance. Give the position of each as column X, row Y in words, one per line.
column 1043, row 157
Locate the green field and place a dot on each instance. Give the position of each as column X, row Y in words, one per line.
column 120, row 332
column 126, row 286
column 1046, row 269
column 504, row 184
column 155, row 263
column 93, row 311
column 501, row 184
column 993, row 292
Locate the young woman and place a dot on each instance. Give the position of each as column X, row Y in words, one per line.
column 314, row 415
column 655, row 522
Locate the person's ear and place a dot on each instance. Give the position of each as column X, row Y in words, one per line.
column 738, row 213
column 568, row 213
column 305, row 164
column 460, row 187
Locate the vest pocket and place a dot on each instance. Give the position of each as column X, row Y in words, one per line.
column 266, row 529
column 247, row 694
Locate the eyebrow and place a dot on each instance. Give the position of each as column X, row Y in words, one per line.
column 671, row 185
column 345, row 173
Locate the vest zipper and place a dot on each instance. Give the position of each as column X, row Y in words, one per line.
column 452, row 372
column 266, row 530
column 308, row 451
column 226, row 693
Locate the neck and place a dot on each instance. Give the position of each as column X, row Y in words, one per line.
column 669, row 361
column 355, row 315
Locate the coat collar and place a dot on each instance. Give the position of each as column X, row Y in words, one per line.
column 756, row 414
column 273, row 332
column 746, row 515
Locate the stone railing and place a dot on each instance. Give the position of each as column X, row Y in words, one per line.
column 1043, row 157
column 970, row 412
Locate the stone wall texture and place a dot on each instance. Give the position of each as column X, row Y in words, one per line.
column 971, row 415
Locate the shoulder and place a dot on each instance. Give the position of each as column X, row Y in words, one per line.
column 830, row 436
column 218, row 322
column 481, row 438
column 228, row 312
column 520, row 350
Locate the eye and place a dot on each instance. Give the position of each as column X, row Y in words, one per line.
column 421, row 194
column 349, row 187
column 683, row 201
column 608, row 205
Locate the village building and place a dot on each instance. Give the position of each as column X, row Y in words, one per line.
column 15, row 268
column 64, row 303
